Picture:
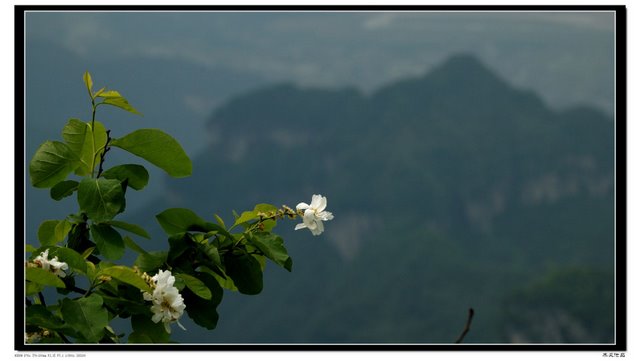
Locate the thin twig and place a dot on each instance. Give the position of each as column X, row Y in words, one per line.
column 106, row 149
column 467, row 326
column 41, row 298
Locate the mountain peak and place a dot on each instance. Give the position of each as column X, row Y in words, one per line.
column 463, row 61
column 467, row 68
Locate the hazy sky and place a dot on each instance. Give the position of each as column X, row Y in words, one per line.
column 566, row 57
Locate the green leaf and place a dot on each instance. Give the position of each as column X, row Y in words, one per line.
column 225, row 282
column 180, row 220
column 39, row 315
column 265, row 208
column 32, row 288
column 47, row 234
column 133, row 245
column 87, row 252
column 178, row 244
column 195, row 285
column 112, row 97
column 219, row 220
column 86, row 316
column 86, row 77
column 51, row 164
column 149, row 262
column 212, row 253
column 246, row 216
column 63, row 189
column 159, row 149
column 145, row 329
column 137, row 337
column 127, row 275
column 108, row 241
column 101, row 199
column 62, row 229
column 245, row 272
column 43, row 277
column 85, row 142
column 255, row 213
column 70, row 257
column 29, row 248
column 273, row 248
column 203, row 311
column 136, row 176
column 132, row 228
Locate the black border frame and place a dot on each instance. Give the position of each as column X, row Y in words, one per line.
column 620, row 186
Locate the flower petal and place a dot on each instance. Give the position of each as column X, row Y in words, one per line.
column 300, row 226
column 316, row 199
column 322, row 204
column 326, row 216
column 302, row 206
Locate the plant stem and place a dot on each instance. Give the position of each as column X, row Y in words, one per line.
column 41, row 298
column 467, row 326
column 63, row 337
column 102, row 155
column 93, row 133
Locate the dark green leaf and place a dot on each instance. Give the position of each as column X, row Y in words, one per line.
column 158, row 148
column 180, row 220
column 273, row 248
column 86, row 142
column 63, row 189
column 212, row 253
column 86, row 316
column 203, row 312
column 127, row 275
column 108, row 241
column 136, row 176
column 195, row 285
column 137, row 337
column 101, row 199
column 144, row 329
column 40, row 316
column 112, row 97
column 43, row 277
column 133, row 245
column 178, row 244
column 133, row 228
column 51, row 164
column 245, row 272
column 149, row 262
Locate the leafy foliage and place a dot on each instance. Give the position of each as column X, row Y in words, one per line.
column 202, row 256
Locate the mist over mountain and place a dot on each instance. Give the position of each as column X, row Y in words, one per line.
column 450, row 190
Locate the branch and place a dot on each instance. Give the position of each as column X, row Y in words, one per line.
column 467, row 327
column 106, row 149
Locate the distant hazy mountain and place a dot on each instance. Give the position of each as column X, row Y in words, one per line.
column 449, row 191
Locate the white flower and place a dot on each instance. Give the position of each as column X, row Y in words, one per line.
column 52, row 265
column 168, row 304
column 314, row 214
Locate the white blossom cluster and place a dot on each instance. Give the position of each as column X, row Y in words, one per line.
column 168, row 304
column 314, row 214
column 52, row 265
